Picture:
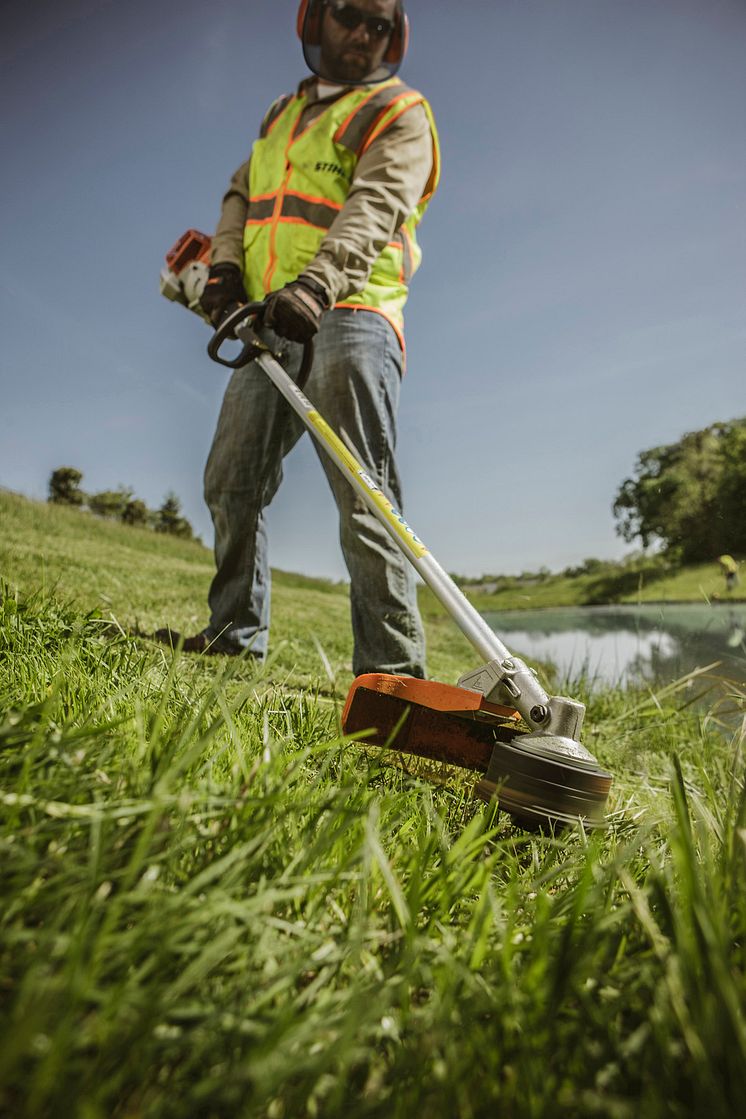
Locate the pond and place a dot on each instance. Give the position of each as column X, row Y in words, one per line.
column 623, row 645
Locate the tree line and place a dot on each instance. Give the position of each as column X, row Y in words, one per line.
column 119, row 505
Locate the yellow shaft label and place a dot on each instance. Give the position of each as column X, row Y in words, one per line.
column 389, row 513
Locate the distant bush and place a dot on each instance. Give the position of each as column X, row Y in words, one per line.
column 64, row 486
column 588, row 567
column 170, row 520
column 119, row 505
column 136, row 512
column 110, row 503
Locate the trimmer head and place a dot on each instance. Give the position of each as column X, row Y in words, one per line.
column 546, row 779
column 536, row 778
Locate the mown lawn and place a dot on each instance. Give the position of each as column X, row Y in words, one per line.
column 214, row 905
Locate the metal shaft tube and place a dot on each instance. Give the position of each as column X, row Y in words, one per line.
column 487, row 644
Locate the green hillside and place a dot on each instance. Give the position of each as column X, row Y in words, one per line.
column 635, row 580
column 145, row 580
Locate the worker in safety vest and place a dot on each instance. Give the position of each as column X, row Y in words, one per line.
column 729, row 568
column 322, row 220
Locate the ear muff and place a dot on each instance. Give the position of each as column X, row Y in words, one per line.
column 399, row 40
column 308, row 24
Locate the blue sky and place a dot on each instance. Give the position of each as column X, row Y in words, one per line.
column 581, row 296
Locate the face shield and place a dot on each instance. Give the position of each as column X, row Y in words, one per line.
column 349, row 45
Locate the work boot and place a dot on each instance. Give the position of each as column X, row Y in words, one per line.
column 200, row 643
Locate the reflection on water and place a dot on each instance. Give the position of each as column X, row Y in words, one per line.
column 630, row 644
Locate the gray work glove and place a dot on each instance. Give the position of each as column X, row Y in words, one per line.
column 295, row 311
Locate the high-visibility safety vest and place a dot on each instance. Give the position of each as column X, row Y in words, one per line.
column 299, row 182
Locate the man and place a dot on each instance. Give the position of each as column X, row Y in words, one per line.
column 729, row 568
column 321, row 220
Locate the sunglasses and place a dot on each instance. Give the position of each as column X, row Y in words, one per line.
column 350, row 17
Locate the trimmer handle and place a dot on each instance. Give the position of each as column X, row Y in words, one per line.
column 246, row 314
column 239, row 323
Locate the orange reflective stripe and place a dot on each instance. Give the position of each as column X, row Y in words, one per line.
column 300, row 221
column 353, row 128
column 303, row 209
column 313, row 198
column 272, row 262
column 312, row 123
column 275, row 111
column 402, row 243
column 380, row 124
column 353, row 113
column 433, row 178
column 286, row 219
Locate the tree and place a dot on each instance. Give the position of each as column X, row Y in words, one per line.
column 170, row 520
column 64, row 486
column 733, row 488
column 110, row 503
column 135, row 512
column 690, row 495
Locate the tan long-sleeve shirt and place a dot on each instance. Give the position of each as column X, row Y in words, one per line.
column 388, row 182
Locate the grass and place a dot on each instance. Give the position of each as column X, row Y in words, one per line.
column 148, row 580
column 214, row 905
column 611, row 583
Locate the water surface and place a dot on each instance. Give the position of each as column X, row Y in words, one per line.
column 624, row 645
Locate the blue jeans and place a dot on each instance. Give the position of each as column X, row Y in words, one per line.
column 354, row 383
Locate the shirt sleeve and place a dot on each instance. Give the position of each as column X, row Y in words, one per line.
column 388, row 182
column 227, row 244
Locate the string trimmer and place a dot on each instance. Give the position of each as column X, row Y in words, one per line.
column 538, row 774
